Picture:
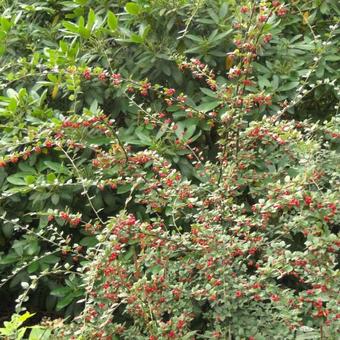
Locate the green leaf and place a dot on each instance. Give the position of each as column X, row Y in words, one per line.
column 133, row 8
column 122, row 189
column 55, row 199
column 112, row 21
column 57, row 167
column 43, row 221
column 33, row 267
column 39, row 333
column 88, row 241
column 194, row 38
column 143, row 137
column 12, row 93
column 11, row 258
column 208, row 92
column 332, row 57
column 16, row 180
column 289, row 86
column 261, row 68
column 129, row 253
column 51, row 177
column 70, row 26
column 136, row 38
column 311, row 335
column 25, row 167
column 223, row 10
column 84, row 32
column 99, row 140
column 61, row 291
column 20, row 333
column 91, row 19
column 263, row 82
column 206, row 107
column 24, row 317
column 30, row 179
column 50, row 259
column 12, row 326
column 162, row 131
column 65, row 301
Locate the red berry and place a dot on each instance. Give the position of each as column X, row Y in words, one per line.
column 294, row 202
column 14, row 159
column 180, row 324
column 75, row 221
column 64, row 216
column 308, row 200
column 37, row 149
column 282, row 12
column 262, row 18
column 170, row 92
column 87, row 74
column 48, row 144
column 172, row 334
column 267, row 38
column 238, row 294
column 275, row 298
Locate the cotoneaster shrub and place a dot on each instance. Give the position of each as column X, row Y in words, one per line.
column 182, row 208
column 250, row 252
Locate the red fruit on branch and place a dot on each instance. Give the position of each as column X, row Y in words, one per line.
column 48, row 144
column 244, row 9
column 294, row 202
column 267, row 38
column 64, row 216
column 87, row 74
column 308, row 200
column 275, row 298
column 75, row 221
column 282, row 11
column 238, row 294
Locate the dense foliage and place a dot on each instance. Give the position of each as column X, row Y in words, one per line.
column 168, row 169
